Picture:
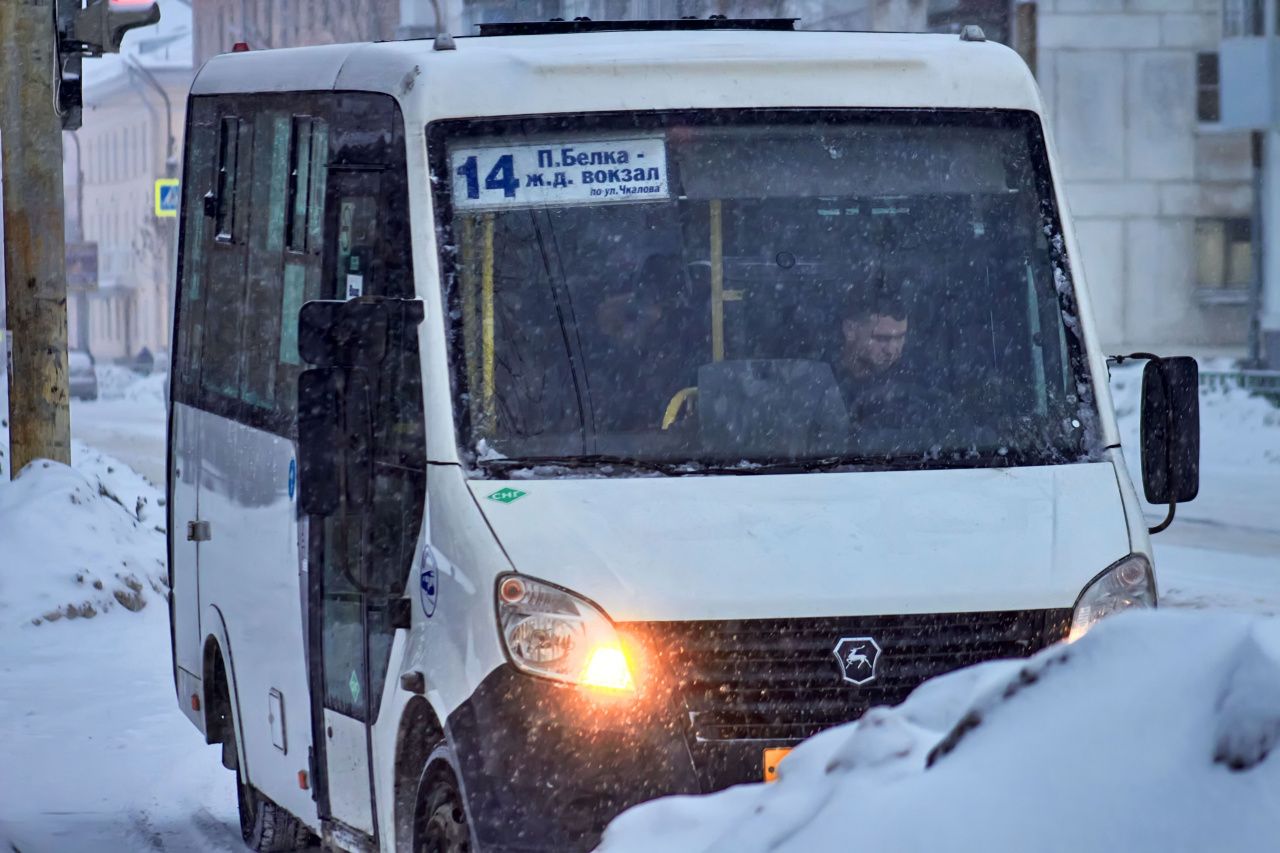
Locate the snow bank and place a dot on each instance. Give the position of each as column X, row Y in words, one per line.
column 79, row 542
column 1152, row 733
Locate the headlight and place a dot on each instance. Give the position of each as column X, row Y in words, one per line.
column 1125, row 584
column 550, row 632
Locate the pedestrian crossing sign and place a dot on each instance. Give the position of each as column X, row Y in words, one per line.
column 167, row 198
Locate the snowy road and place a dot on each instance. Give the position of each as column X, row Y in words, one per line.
column 127, row 422
column 129, row 430
column 97, row 756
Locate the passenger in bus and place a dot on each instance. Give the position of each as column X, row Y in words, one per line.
column 639, row 361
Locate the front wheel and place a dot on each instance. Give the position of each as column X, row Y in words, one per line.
column 440, row 818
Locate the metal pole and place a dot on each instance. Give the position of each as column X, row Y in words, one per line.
column 1258, row 143
column 82, row 299
column 79, row 232
column 170, row 161
column 166, row 229
column 34, row 229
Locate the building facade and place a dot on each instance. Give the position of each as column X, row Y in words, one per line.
column 262, row 24
column 1162, row 193
column 1250, row 79
column 134, row 108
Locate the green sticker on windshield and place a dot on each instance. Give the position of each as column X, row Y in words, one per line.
column 507, row 495
column 354, row 684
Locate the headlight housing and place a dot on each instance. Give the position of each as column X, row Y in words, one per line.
column 1125, row 584
column 550, row 632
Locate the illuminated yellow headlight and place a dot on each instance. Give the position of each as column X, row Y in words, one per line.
column 607, row 668
column 550, row 632
column 1125, row 585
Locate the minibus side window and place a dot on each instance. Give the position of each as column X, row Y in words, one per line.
column 261, row 321
column 252, row 257
column 304, row 234
column 225, row 192
column 299, row 181
column 221, row 357
column 199, row 177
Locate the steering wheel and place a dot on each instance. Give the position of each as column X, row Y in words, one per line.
column 682, row 399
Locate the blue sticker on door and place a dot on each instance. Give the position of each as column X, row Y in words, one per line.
column 428, row 582
column 293, row 477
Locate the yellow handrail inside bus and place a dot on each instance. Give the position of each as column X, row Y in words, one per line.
column 470, row 327
column 717, row 283
column 487, row 343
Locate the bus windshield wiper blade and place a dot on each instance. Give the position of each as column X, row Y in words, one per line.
column 698, row 467
column 590, row 460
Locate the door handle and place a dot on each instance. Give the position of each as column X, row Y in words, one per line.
column 198, row 531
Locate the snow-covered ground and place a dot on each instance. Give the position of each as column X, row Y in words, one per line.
column 97, row 757
column 1146, row 735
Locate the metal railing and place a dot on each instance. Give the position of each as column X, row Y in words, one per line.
column 1264, row 383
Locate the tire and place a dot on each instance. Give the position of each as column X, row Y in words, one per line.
column 264, row 826
column 440, row 816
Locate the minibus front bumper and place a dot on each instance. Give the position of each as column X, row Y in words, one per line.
column 546, row 766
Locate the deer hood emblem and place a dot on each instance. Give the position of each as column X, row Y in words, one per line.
column 858, row 657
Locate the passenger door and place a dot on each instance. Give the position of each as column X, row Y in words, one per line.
column 361, row 555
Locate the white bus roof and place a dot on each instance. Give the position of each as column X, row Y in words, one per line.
column 586, row 72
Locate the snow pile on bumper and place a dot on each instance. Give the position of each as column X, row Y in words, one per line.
column 79, row 542
column 1155, row 732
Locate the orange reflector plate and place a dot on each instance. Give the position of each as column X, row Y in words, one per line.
column 772, row 757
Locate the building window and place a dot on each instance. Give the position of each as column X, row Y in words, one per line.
column 1208, row 90
column 1224, row 256
column 1242, row 18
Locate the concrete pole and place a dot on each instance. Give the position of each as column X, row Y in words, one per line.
column 34, row 229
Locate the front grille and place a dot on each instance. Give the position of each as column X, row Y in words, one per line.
column 779, row 679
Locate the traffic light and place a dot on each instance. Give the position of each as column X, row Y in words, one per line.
column 91, row 30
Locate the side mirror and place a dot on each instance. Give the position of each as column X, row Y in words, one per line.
column 335, row 431
column 1171, row 431
column 351, row 333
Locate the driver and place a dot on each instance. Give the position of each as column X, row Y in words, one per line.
column 875, row 330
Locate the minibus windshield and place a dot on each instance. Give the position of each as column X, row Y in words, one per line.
column 717, row 290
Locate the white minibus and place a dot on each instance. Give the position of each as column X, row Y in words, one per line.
column 583, row 412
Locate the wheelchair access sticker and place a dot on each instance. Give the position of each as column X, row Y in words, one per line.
column 428, row 582
column 556, row 174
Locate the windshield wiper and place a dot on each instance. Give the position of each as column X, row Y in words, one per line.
column 590, row 460
column 695, row 467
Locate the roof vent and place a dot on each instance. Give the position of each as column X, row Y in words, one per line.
column 444, row 41
column 972, row 32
